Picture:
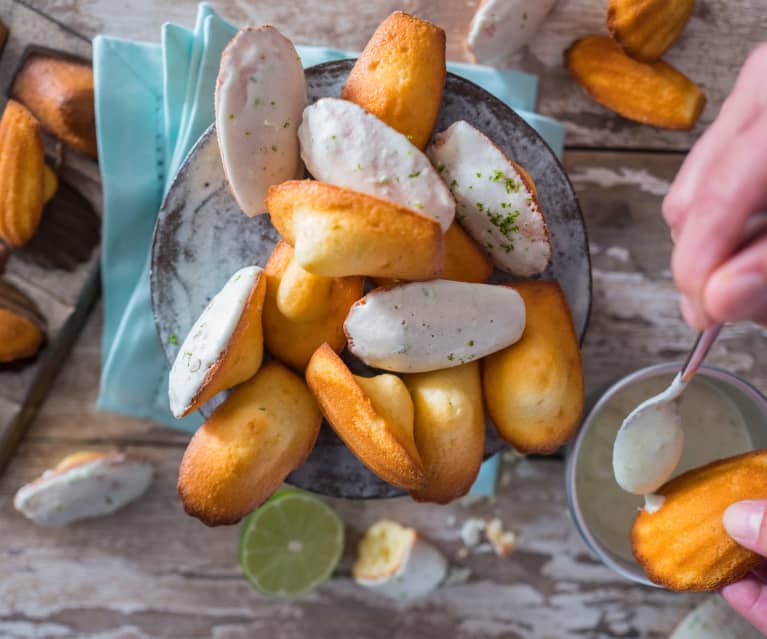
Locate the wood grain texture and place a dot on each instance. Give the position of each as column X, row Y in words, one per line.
column 150, row 571
column 710, row 51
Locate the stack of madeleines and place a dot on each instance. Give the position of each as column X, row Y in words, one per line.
column 427, row 218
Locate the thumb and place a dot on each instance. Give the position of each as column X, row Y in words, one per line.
column 746, row 523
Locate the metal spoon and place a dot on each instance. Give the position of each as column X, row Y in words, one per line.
column 650, row 441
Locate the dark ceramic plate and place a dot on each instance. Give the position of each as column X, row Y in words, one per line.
column 201, row 238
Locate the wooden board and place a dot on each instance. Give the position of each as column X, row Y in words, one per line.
column 63, row 289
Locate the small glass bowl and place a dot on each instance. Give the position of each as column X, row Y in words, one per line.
column 751, row 403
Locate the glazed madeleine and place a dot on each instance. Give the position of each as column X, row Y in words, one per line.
column 343, row 144
column 400, row 74
column 496, row 202
column 449, row 430
column 260, row 95
column 429, row 326
column 265, row 429
column 337, row 232
column 225, row 345
column 372, row 415
column 534, row 389
column 647, row 28
column 647, row 92
column 683, row 545
column 84, row 485
column 302, row 310
column 500, row 28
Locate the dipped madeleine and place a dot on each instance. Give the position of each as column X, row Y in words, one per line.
column 647, row 92
column 683, row 545
column 449, row 430
column 646, row 29
column 343, row 144
column 496, row 202
column 372, row 415
column 400, row 74
column 338, row 232
column 225, row 345
column 301, row 310
column 534, row 389
column 428, row 326
column 265, row 429
column 260, row 94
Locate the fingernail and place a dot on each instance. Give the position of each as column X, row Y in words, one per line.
column 743, row 520
column 690, row 313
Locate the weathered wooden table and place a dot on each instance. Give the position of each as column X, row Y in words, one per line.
column 150, row 571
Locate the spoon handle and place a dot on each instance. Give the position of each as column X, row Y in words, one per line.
column 699, row 351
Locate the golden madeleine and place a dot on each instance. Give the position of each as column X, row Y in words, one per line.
column 60, row 93
column 265, row 429
column 683, row 545
column 449, row 430
column 647, row 92
column 464, row 259
column 20, row 337
column 400, row 74
column 225, row 345
column 372, row 415
column 301, row 310
column 338, row 232
column 646, row 29
column 22, row 181
column 534, row 388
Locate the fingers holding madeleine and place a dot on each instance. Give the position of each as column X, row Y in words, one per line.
column 265, row 429
column 684, row 545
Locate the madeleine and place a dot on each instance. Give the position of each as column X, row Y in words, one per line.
column 534, row 389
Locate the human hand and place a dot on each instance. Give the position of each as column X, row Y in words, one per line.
column 746, row 523
column 721, row 184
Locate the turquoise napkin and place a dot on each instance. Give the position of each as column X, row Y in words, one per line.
column 152, row 103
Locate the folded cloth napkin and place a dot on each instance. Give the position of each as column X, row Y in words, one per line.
column 152, row 103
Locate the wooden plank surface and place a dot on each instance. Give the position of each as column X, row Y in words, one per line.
column 716, row 42
column 150, row 571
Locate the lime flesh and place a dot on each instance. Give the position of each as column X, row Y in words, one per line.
column 291, row 544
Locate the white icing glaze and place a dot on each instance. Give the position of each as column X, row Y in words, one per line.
column 492, row 202
column 208, row 338
column 91, row 489
column 424, row 326
column 260, row 95
column 501, row 27
column 650, row 442
column 343, row 144
column 653, row 502
column 421, row 572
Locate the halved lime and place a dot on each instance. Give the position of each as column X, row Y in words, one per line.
column 291, row 544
